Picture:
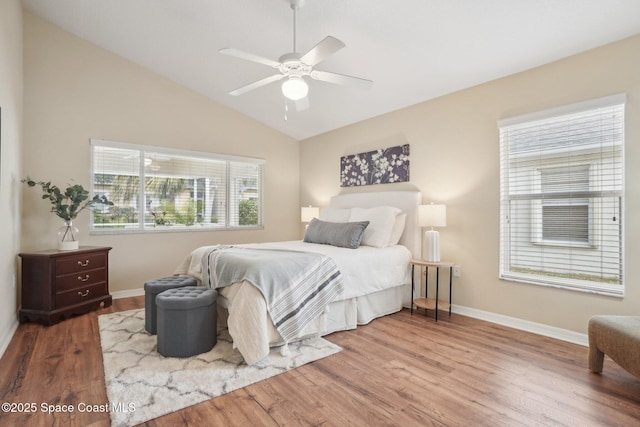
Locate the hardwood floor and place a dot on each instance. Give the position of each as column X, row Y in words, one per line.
column 399, row 370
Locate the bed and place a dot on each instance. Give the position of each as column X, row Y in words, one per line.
column 375, row 281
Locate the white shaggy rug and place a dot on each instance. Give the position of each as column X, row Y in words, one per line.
column 142, row 384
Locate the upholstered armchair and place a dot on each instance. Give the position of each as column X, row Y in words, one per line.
column 619, row 338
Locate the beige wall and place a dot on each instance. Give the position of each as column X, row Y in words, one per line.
column 455, row 160
column 10, row 144
column 75, row 91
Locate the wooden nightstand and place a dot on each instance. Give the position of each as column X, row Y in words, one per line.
column 431, row 303
column 57, row 284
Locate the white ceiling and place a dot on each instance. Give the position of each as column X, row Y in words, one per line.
column 413, row 50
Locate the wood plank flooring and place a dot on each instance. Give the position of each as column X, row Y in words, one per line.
column 399, row 370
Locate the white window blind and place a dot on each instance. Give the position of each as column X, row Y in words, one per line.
column 158, row 189
column 561, row 190
column 245, row 184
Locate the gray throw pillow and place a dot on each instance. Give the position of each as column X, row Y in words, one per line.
column 341, row 234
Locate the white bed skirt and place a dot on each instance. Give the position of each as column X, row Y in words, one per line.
column 340, row 315
column 381, row 303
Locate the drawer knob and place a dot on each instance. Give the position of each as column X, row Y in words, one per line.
column 83, row 279
column 83, row 264
column 84, row 294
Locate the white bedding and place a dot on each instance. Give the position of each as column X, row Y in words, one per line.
column 365, row 271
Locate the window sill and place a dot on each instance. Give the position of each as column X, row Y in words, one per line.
column 560, row 244
column 615, row 291
column 119, row 231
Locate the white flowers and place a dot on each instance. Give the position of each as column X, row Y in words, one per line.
column 375, row 167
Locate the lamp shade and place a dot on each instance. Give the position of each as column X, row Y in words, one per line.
column 295, row 88
column 432, row 215
column 308, row 213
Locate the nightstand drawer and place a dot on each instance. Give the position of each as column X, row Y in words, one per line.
column 80, row 263
column 80, row 295
column 81, row 279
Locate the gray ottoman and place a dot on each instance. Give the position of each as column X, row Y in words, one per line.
column 186, row 321
column 152, row 288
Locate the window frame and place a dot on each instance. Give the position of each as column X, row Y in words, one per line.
column 596, row 197
column 142, row 226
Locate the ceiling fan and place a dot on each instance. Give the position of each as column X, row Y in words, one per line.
column 294, row 66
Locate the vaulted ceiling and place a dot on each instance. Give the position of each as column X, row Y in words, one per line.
column 413, row 50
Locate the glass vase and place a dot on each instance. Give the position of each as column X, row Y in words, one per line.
column 68, row 237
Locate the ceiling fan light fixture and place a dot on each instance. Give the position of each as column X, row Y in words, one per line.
column 295, row 88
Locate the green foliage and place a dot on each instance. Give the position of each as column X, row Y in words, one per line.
column 68, row 204
column 166, row 214
column 187, row 215
column 248, row 212
column 159, row 217
column 116, row 215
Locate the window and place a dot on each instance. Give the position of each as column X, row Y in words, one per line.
column 157, row 189
column 550, row 214
column 561, row 197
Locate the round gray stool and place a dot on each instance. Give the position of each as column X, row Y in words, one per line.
column 152, row 288
column 186, row 321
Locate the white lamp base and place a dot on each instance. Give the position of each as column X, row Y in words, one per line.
column 431, row 250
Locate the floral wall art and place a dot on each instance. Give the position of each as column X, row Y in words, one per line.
column 381, row 166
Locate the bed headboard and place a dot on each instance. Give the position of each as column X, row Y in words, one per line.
column 408, row 201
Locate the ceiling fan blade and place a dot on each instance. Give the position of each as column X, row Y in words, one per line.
column 341, row 79
column 327, row 47
column 256, row 84
column 249, row 57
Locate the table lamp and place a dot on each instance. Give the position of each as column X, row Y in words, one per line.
column 432, row 216
column 308, row 213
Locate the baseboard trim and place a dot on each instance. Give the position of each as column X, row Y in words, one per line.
column 512, row 322
column 524, row 325
column 6, row 337
column 127, row 294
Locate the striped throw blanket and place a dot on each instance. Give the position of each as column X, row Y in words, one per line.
column 297, row 286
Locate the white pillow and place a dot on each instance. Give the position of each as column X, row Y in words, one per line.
column 335, row 214
column 381, row 220
column 398, row 228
